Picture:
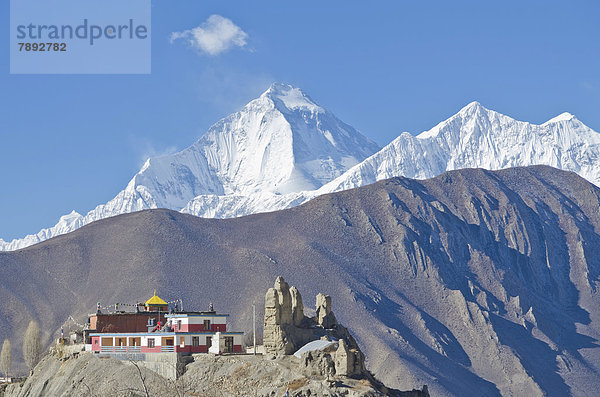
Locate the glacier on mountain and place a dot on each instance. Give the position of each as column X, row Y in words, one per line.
column 282, row 149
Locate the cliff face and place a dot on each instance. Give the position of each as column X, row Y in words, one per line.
column 473, row 280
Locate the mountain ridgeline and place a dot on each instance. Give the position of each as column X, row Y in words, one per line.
column 283, row 149
column 472, row 282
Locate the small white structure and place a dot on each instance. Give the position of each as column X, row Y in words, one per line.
column 216, row 344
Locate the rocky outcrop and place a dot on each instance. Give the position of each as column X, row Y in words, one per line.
column 284, row 297
column 348, row 362
column 207, row 375
column 284, row 314
column 337, row 359
column 278, row 319
column 325, row 317
column 286, row 329
column 318, row 364
column 297, row 307
column 338, row 364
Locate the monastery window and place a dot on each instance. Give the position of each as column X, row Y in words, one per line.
column 207, row 325
column 195, row 341
column 150, row 342
column 178, row 325
column 228, row 344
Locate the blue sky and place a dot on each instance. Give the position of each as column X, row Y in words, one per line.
column 74, row 141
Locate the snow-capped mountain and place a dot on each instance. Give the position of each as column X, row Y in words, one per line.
column 282, row 149
column 477, row 137
column 282, row 142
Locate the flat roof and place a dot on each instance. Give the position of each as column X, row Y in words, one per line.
column 124, row 313
column 164, row 333
column 162, row 313
column 195, row 314
column 133, row 333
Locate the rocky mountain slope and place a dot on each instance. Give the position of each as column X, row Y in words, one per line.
column 473, row 280
column 283, row 149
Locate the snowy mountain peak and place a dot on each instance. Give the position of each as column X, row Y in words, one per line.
column 472, row 106
column 288, row 97
column 280, row 142
column 470, row 113
column 566, row 116
column 146, row 165
column 72, row 215
column 475, row 110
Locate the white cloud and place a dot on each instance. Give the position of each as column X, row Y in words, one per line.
column 214, row 36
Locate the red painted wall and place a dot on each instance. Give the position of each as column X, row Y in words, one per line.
column 146, row 349
column 184, row 327
column 192, row 349
column 200, row 328
column 122, row 323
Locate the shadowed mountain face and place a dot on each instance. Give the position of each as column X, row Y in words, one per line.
column 474, row 282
